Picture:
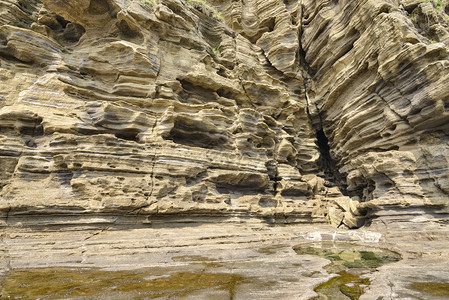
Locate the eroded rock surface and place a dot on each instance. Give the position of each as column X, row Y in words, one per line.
column 294, row 111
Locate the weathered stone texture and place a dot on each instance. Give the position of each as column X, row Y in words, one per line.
column 380, row 93
column 286, row 109
column 131, row 108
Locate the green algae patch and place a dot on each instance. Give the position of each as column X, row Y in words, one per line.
column 198, row 260
column 344, row 286
column 192, row 258
column 349, row 261
column 271, row 249
column 349, row 255
column 436, row 289
column 137, row 284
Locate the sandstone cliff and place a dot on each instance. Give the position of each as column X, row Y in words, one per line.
column 293, row 111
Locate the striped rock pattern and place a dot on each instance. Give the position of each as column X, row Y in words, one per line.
column 288, row 110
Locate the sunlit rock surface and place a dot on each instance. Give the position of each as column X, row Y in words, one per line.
column 294, row 109
column 133, row 107
column 298, row 110
column 133, row 132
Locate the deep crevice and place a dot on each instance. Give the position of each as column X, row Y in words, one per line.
column 328, row 165
column 62, row 22
column 130, row 135
column 325, row 163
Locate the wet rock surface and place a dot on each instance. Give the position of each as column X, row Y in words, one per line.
column 248, row 260
column 351, row 262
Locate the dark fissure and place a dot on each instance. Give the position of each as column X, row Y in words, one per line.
column 328, row 165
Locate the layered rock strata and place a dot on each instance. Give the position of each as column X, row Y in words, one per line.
column 288, row 110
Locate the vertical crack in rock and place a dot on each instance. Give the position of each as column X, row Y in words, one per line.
column 275, row 177
column 7, row 214
column 301, row 52
column 328, row 164
column 152, row 178
column 340, row 209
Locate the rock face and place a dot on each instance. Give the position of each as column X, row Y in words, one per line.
column 293, row 111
